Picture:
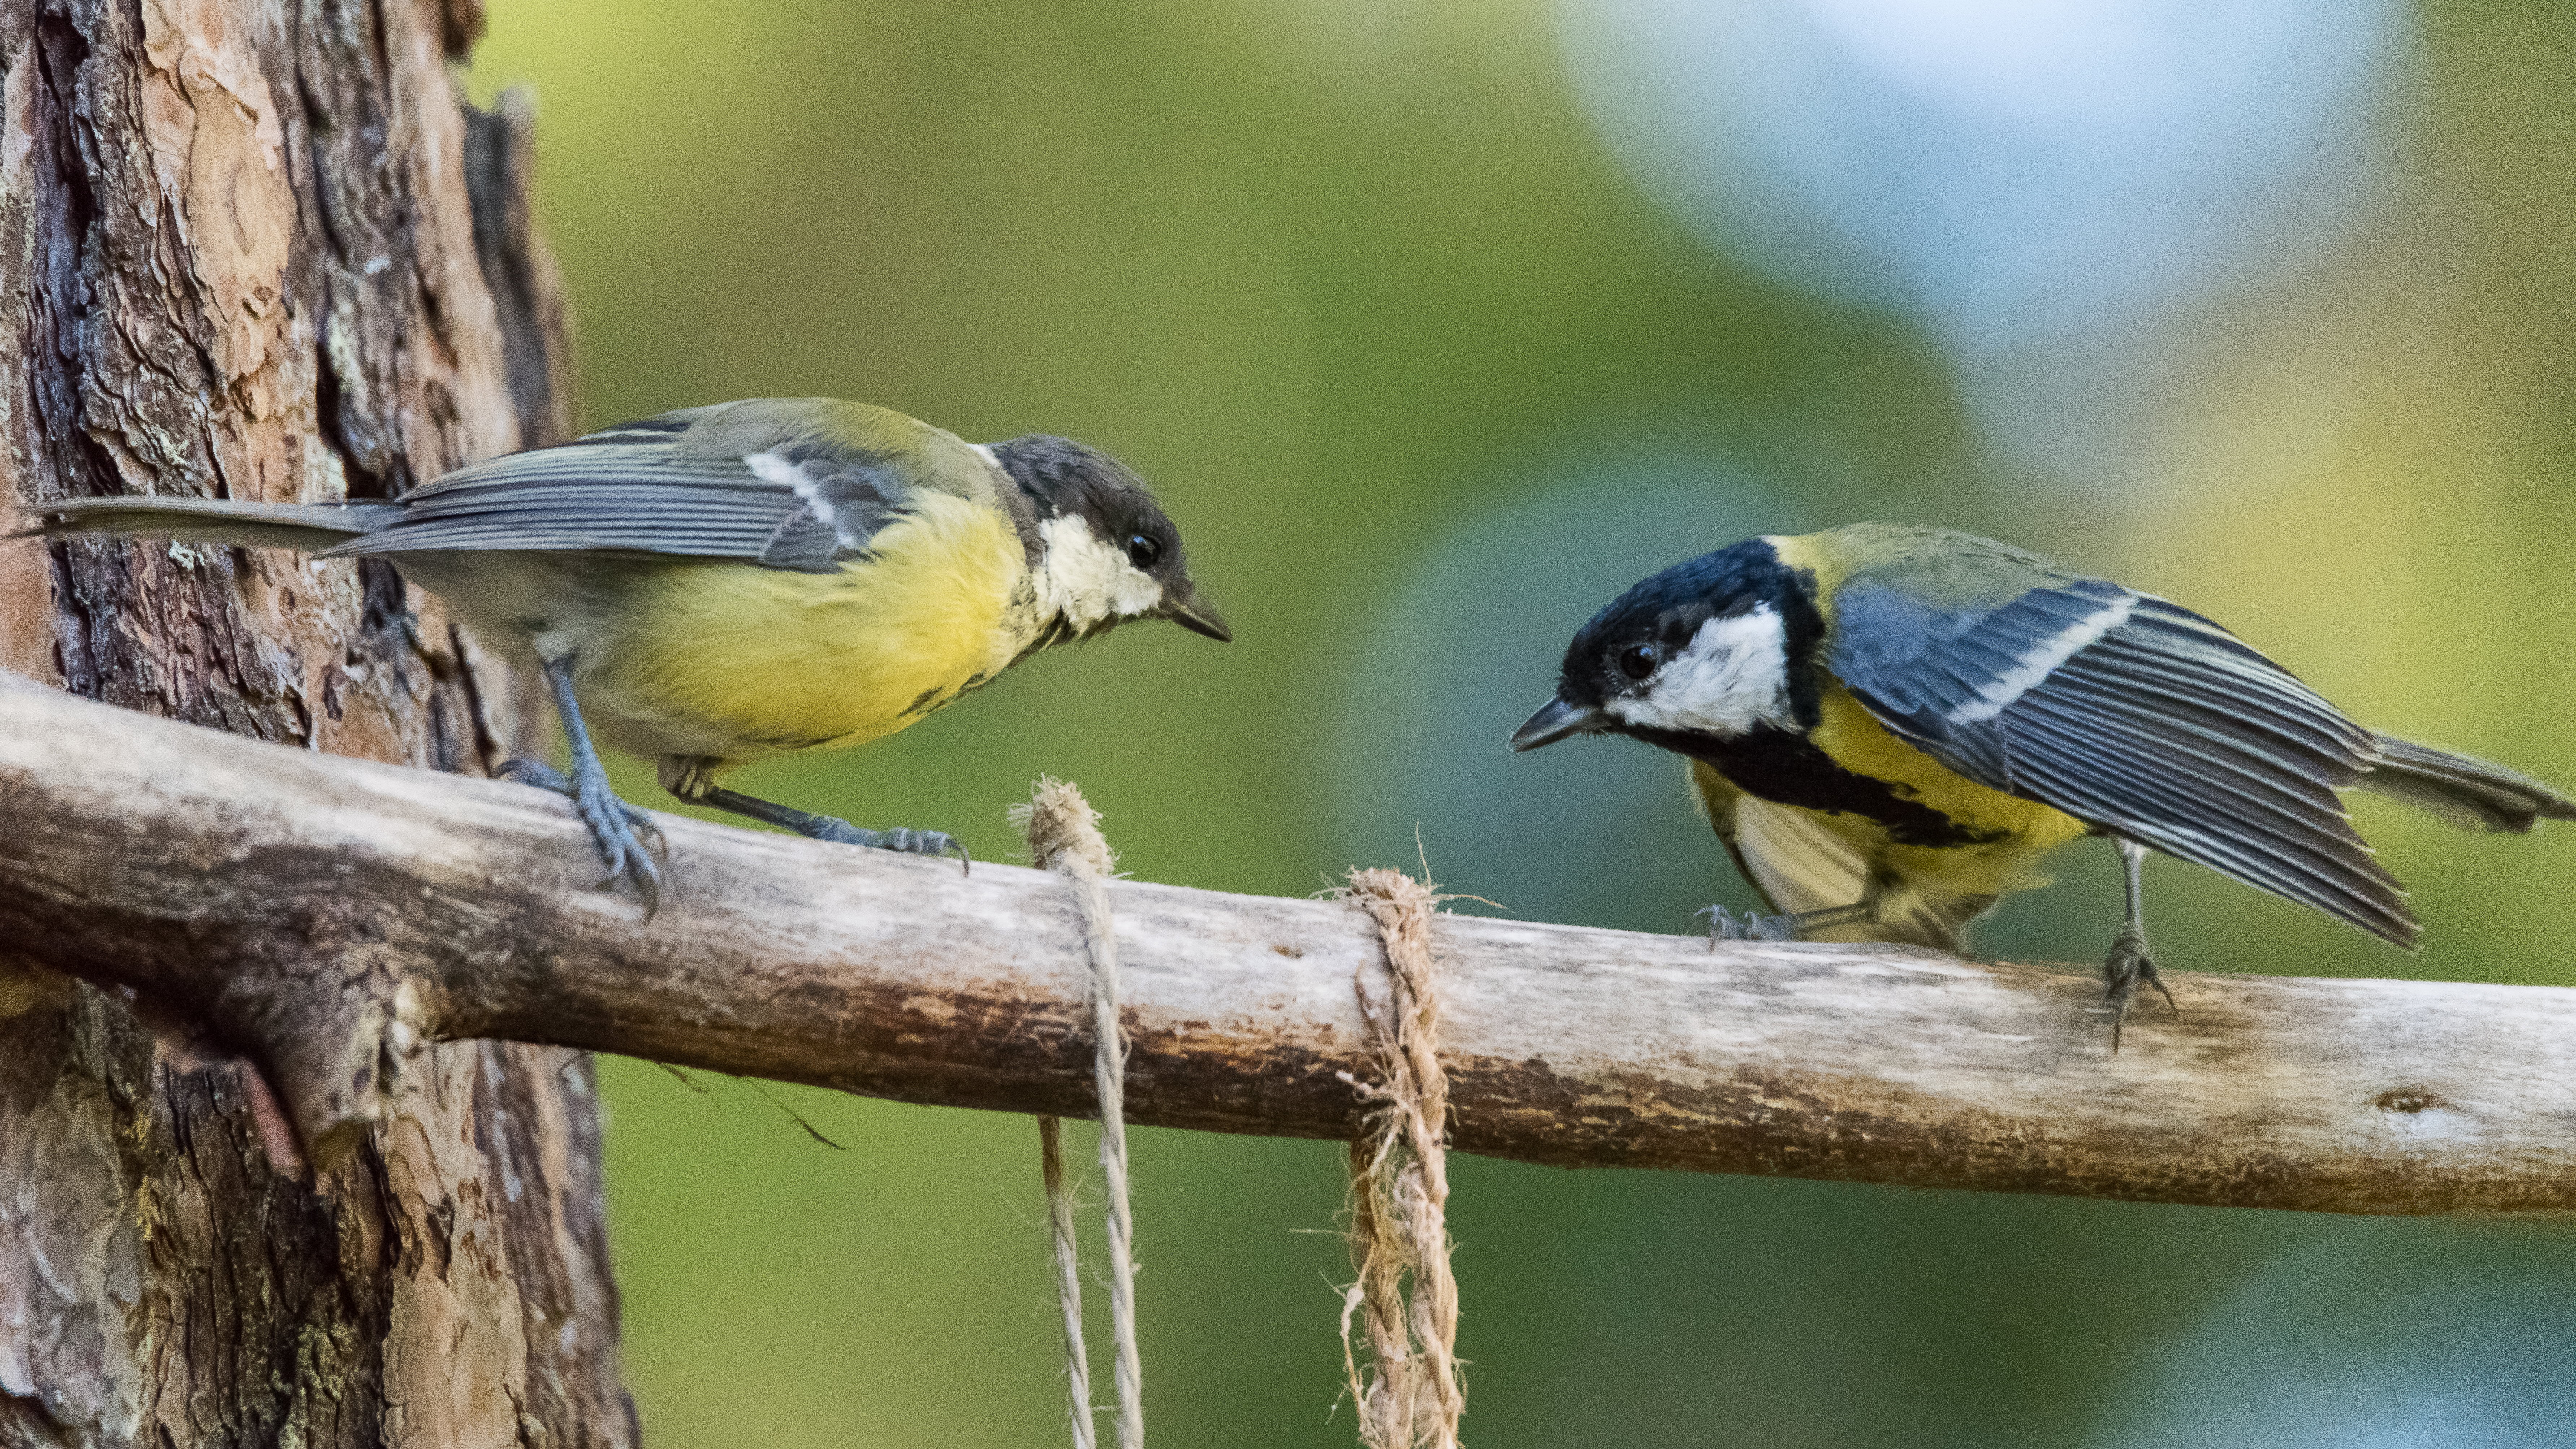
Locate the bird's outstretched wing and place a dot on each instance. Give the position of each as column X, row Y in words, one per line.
column 657, row 487
column 2135, row 716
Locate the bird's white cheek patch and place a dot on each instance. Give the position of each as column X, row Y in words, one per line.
column 1087, row 581
column 1733, row 675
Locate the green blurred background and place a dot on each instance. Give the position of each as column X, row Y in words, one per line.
column 1436, row 323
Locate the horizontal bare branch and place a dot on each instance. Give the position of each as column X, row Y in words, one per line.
column 321, row 915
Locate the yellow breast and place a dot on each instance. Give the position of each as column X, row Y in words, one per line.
column 2023, row 831
column 1868, row 863
column 762, row 661
column 1859, row 743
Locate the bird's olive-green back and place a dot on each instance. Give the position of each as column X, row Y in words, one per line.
column 922, row 456
column 1940, row 568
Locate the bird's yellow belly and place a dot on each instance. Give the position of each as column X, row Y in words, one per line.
column 2004, row 837
column 734, row 661
column 1860, row 744
column 2014, row 832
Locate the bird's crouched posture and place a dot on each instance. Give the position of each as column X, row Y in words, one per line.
column 1890, row 726
column 726, row 583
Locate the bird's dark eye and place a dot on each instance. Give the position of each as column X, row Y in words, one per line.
column 1639, row 660
column 1143, row 551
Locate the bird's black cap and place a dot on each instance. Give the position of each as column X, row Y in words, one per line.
column 1666, row 611
column 1062, row 478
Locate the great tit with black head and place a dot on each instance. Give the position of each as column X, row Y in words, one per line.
column 727, row 583
column 1889, row 725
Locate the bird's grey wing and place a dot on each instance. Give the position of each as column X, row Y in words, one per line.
column 2135, row 716
column 636, row 488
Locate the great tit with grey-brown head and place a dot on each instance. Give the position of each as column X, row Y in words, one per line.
column 1890, row 725
column 728, row 583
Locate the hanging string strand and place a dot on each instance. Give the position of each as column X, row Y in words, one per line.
column 1064, row 836
column 1414, row 1393
column 1068, row 1278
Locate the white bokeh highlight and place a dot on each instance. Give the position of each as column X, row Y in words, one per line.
column 2038, row 183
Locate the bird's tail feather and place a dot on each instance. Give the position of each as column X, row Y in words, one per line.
column 304, row 526
column 2462, row 790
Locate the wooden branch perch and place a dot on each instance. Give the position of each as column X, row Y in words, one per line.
column 359, row 908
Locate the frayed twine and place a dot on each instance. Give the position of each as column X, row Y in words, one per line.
column 1063, row 830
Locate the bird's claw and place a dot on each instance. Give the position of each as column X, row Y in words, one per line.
column 534, row 772
column 905, row 841
column 1724, row 926
column 933, row 843
column 2128, row 968
column 619, row 831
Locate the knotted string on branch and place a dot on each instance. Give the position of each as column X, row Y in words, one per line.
column 1064, row 836
column 1413, row 1393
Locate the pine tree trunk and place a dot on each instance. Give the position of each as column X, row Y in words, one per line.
column 261, row 249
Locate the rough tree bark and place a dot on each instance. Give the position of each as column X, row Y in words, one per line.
column 262, row 250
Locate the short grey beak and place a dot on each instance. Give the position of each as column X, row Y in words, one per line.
column 1554, row 721
column 1183, row 606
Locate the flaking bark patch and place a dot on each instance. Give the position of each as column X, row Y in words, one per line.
column 239, row 258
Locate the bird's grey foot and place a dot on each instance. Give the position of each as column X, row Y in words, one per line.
column 2128, row 968
column 908, row 842
column 620, row 830
column 1723, row 925
column 820, row 827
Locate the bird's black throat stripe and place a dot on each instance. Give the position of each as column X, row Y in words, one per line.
column 1785, row 768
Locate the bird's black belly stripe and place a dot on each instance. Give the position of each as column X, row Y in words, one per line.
column 1781, row 766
